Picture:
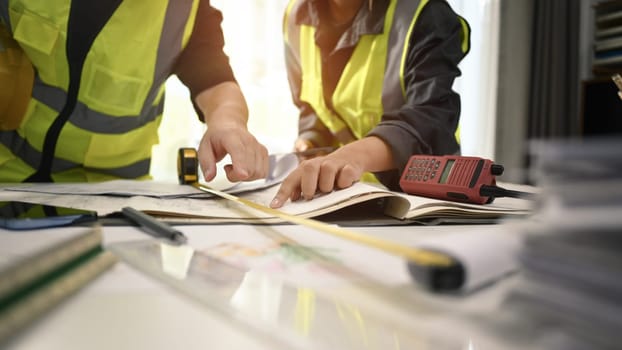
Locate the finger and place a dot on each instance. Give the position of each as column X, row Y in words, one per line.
column 327, row 174
column 265, row 162
column 261, row 165
column 347, row 177
column 290, row 188
column 257, row 167
column 207, row 160
column 231, row 175
column 310, row 170
column 278, row 200
column 296, row 195
column 238, row 169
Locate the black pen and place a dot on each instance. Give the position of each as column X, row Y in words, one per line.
column 154, row 226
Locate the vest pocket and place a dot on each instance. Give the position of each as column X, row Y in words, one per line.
column 40, row 38
column 113, row 93
column 36, row 32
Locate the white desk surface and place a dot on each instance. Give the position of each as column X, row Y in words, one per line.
column 124, row 309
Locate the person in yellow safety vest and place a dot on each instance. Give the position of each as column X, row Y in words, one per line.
column 97, row 97
column 373, row 78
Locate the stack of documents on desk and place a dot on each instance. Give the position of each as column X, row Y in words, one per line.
column 185, row 204
column 572, row 258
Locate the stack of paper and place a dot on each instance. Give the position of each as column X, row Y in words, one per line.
column 180, row 204
column 572, row 258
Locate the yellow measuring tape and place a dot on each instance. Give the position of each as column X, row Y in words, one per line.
column 187, row 168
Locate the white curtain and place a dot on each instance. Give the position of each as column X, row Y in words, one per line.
column 478, row 84
column 254, row 43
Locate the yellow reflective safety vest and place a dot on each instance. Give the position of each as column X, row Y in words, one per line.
column 372, row 80
column 119, row 106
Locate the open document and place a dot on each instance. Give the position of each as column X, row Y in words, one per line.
column 169, row 201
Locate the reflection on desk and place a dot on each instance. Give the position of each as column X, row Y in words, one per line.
column 376, row 305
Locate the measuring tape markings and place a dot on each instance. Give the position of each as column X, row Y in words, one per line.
column 416, row 255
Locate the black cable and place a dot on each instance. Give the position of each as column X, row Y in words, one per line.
column 498, row 192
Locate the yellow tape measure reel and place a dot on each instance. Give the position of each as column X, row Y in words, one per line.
column 187, row 166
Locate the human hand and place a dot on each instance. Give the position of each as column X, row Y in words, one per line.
column 324, row 174
column 225, row 112
column 249, row 158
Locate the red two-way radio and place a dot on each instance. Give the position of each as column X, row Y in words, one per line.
column 454, row 178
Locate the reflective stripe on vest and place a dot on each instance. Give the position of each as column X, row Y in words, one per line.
column 115, row 122
column 358, row 98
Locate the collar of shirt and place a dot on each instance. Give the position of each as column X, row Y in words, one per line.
column 366, row 21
